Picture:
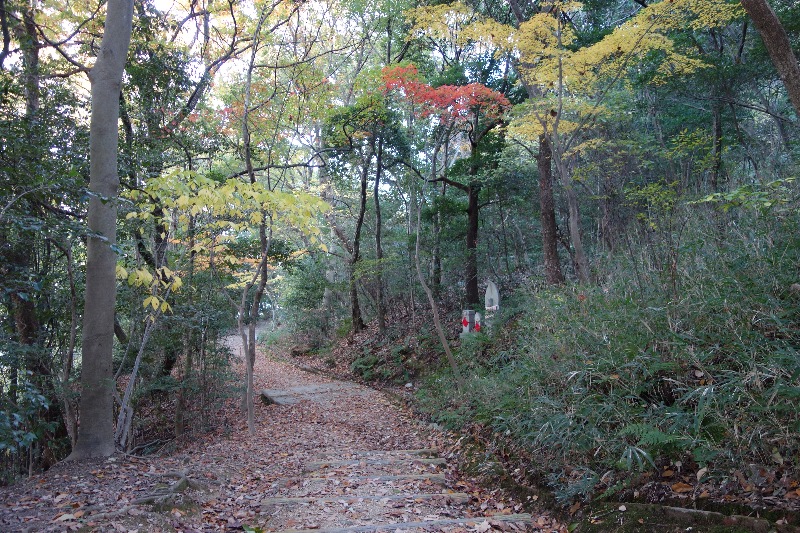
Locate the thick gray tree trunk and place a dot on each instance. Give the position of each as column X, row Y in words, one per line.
column 96, row 429
column 778, row 46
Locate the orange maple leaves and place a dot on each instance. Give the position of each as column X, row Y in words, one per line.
column 452, row 103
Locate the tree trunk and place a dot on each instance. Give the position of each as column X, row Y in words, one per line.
column 436, row 259
column 265, row 237
column 504, row 241
column 70, row 416
column 552, row 264
column 608, row 227
column 189, row 344
column 547, row 210
column 357, row 319
column 410, row 246
column 250, row 317
column 23, row 251
column 328, row 195
column 122, row 432
column 778, row 46
column 379, row 300
column 471, row 268
column 96, row 429
column 29, row 37
column 161, row 242
column 581, row 263
column 327, row 303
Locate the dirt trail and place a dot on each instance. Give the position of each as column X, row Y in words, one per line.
column 330, row 456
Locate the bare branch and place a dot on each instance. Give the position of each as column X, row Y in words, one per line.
column 79, row 67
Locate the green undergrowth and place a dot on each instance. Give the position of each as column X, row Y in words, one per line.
column 392, row 363
column 605, row 386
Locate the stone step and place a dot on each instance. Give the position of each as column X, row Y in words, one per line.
column 435, row 478
column 319, row 465
column 317, row 392
column 521, row 518
column 423, row 452
column 457, row 497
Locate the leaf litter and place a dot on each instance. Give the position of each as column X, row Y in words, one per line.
column 338, row 460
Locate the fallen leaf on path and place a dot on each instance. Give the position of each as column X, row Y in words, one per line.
column 681, row 487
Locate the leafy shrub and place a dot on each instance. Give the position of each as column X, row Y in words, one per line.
column 21, row 426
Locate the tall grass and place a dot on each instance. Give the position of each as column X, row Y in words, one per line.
column 697, row 364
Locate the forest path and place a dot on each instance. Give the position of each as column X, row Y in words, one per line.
column 355, row 461
column 363, row 477
column 335, row 456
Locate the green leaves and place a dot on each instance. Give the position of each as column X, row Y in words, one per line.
column 20, row 423
column 633, row 455
column 773, row 196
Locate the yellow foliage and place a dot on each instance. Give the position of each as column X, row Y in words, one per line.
column 490, row 33
column 585, row 146
column 222, row 211
column 544, row 59
column 695, row 14
column 536, row 117
column 541, row 44
column 443, row 21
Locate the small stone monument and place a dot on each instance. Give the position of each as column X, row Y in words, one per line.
column 473, row 322
column 491, row 302
column 492, row 299
column 467, row 322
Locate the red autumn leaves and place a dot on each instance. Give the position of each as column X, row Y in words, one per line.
column 451, row 103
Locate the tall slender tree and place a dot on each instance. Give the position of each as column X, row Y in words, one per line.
column 96, row 429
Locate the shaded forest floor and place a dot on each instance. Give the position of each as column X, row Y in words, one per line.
column 229, row 480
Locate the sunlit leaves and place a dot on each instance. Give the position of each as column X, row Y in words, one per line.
column 140, row 277
column 542, row 44
column 443, row 21
column 157, row 303
column 451, row 103
column 157, row 284
column 220, row 210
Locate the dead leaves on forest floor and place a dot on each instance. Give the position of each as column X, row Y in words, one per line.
column 220, row 481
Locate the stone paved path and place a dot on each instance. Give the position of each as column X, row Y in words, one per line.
column 347, row 487
column 327, row 456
